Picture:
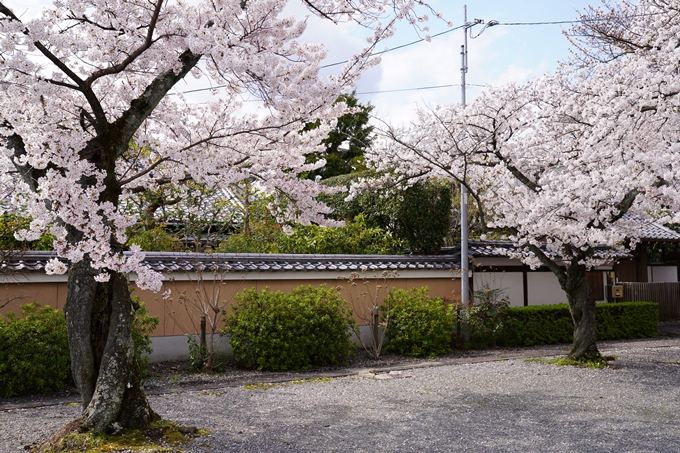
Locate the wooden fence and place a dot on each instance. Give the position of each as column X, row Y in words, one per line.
column 667, row 295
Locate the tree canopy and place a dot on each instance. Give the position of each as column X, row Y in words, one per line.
column 559, row 161
column 346, row 142
column 85, row 81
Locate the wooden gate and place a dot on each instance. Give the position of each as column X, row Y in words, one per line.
column 666, row 294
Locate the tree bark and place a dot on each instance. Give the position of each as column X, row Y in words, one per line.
column 573, row 281
column 99, row 323
column 78, row 311
column 582, row 307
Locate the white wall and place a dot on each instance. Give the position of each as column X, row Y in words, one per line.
column 662, row 274
column 173, row 348
column 509, row 282
column 544, row 289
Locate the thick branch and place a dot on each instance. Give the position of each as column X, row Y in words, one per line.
column 528, row 183
column 143, row 172
column 82, row 86
column 125, row 127
column 158, row 182
column 624, row 205
column 29, row 174
column 550, row 264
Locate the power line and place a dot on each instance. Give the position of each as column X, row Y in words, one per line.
column 433, row 87
column 559, row 22
column 382, row 52
column 398, row 47
column 579, row 21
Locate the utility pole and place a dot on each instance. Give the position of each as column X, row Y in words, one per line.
column 464, row 230
column 464, row 233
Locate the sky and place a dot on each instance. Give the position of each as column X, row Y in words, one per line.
column 500, row 54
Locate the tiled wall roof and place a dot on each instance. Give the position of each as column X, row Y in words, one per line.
column 245, row 262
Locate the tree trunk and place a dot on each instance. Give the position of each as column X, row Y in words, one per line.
column 582, row 307
column 78, row 311
column 99, row 322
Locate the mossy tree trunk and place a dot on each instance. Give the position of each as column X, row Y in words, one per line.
column 99, row 321
column 99, row 314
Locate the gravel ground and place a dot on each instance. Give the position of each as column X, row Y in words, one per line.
column 460, row 404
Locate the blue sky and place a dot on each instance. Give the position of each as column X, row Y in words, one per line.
column 501, row 54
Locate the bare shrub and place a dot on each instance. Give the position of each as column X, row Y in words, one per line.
column 366, row 296
column 204, row 304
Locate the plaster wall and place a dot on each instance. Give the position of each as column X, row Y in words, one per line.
column 656, row 274
column 178, row 315
column 511, row 283
column 544, row 289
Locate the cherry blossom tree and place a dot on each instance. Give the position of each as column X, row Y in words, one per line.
column 89, row 84
column 562, row 162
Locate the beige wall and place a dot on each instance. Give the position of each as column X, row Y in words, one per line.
column 14, row 295
column 176, row 319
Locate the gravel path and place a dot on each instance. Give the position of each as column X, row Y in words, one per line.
column 496, row 406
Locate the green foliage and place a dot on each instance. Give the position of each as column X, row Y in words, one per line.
column 418, row 325
column 622, row 320
column 261, row 233
column 551, row 324
column 419, row 215
column 539, row 324
column 354, row 238
column 487, row 317
column 423, row 216
column 276, row 331
column 353, row 128
column 198, row 356
column 156, row 239
column 34, row 353
column 598, row 363
column 142, row 327
column 160, row 436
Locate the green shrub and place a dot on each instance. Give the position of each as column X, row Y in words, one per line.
column 156, row 239
column 34, row 353
column 277, row 331
column 142, row 327
column 622, row 320
column 418, row 325
column 356, row 237
column 550, row 324
column 488, row 317
column 198, row 356
column 539, row 324
column 10, row 224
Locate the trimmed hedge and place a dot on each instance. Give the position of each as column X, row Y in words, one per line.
column 34, row 354
column 278, row 331
column 418, row 326
column 551, row 324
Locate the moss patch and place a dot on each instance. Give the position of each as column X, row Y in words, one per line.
column 267, row 386
column 599, row 363
column 159, row 437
